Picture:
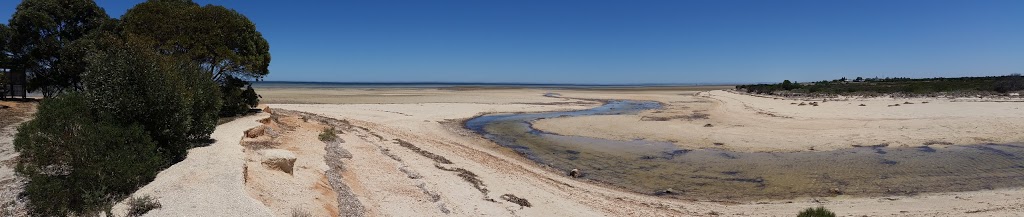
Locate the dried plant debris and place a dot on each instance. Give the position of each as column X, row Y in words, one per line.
column 516, row 200
column 437, row 158
column 468, row 176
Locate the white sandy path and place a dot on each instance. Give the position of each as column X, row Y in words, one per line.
column 209, row 181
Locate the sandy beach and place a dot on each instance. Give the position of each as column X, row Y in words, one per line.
column 405, row 152
column 429, row 119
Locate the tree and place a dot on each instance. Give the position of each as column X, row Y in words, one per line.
column 4, row 59
column 41, row 31
column 77, row 164
column 169, row 97
column 81, row 152
column 222, row 41
column 787, row 85
column 5, row 54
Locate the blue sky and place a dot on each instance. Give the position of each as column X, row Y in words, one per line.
column 617, row 42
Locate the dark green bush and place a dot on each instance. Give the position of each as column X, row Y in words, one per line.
column 138, row 206
column 816, row 212
column 172, row 99
column 78, row 164
column 238, row 97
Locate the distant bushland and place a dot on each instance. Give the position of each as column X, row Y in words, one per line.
column 961, row 86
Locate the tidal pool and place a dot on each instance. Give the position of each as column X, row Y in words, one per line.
column 711, row 174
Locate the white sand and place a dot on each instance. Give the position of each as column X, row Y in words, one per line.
column 209, row 181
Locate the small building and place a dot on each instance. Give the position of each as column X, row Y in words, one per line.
column 15, row 84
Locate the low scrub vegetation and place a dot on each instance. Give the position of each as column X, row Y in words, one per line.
column 816, row 212
column 328, row 134
column 138, row 206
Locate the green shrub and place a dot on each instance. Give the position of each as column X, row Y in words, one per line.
column 170, row 98
column 137, row 206
column 816, row 212
column 237, row 100
column 77, row 164
column 329, row 134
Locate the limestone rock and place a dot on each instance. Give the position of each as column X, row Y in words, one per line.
column 255, row 131
column 280, row 159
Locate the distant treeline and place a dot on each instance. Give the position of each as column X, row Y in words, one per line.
column 906, row 86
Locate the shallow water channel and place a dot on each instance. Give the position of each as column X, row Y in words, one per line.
column 711, row 174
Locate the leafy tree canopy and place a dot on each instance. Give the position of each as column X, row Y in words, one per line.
column 221, row 40
column 41, row 30
column 171, row 98
column 5, row 39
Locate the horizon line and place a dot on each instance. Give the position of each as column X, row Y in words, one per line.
column 512, row 83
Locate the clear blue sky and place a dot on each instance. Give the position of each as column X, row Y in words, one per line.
column 596, row 41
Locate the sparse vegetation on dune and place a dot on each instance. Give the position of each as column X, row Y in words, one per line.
column 328, row 134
